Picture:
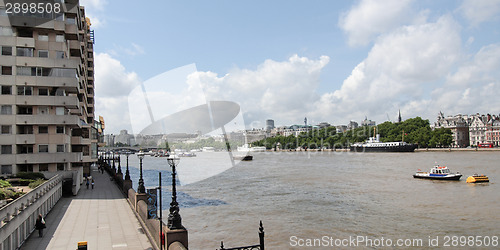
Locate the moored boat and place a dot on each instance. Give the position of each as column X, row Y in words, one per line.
column 438, row 173
column 373, row 144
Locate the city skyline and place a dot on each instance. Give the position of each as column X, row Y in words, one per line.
column 332, row 62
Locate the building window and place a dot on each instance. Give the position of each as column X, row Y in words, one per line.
column 60, row 54
column 60, row 148
column 25, row 129
column 24, row 110
column 43, row 129
column 6, row 169
column 6, row 70
column 42, row 37
column 26, row 71
column 25, row 149
column 6, row 51
column 6, row 31
column 43, row 148
column 59, row 110
column 43, row 91
column 6, row 130
column 43, row 53
column 6, row 90
column 60, row 129
column 24, row 90
column 60, row 38
column 43, row 110
column 43, row 167
column 6, row 110
column 60, row 166
column 28, row 52
column 6, row 149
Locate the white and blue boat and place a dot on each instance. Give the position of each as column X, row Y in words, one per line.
column 438, row 173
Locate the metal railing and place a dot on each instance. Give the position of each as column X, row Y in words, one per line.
column 259, row 246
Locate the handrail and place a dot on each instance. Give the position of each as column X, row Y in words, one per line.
column 20, row 204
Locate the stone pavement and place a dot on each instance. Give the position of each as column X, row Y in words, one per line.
column 100, row 216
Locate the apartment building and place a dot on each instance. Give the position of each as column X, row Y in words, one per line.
column 47, row 90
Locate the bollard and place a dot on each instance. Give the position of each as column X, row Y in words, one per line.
column 82, row 245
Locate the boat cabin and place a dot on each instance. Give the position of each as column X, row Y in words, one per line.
column 440, row 170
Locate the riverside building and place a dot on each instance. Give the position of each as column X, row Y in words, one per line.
column 47, row 90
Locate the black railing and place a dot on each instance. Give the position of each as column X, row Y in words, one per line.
column 259, row 246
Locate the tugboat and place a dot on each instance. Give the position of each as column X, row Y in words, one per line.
column 438, row 173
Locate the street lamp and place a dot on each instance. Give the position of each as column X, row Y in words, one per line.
column 127, row 174
column 141, row 189
column 174, row 218
column 160, row 218
column 114, row 167
column 119, row 164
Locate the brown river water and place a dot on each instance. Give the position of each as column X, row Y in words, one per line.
column 337, row 200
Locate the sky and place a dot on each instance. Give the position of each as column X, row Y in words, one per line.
column 329, row 61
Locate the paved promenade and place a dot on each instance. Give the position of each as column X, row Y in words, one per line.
column 100, row 216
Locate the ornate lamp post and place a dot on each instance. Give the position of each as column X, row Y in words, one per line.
column 174, row 218
column 141, row 189
column 127, row 174
column 113, row 158
column 119, row 164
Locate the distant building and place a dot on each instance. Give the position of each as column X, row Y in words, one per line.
column 471, row 129
column 123, row 138
column 341, row 128
column 458, row 126
column 367, row 122
column 269, row 125
column 324, row 125
column 352, row 125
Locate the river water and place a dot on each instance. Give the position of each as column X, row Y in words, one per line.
column 327, row 199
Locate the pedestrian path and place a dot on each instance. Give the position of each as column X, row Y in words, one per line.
column 100, row 216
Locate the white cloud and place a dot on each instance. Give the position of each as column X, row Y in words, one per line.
column 474, row 87
column 94, row 11
column 478, row 11
column 113, row 84
column 369, row 18
column 97, row 5
column 398, row 70
column 284, row 91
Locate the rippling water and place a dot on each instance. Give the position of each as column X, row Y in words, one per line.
column 311, row 195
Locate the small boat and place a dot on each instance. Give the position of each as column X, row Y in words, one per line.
column 438, row 173
column 477, row 178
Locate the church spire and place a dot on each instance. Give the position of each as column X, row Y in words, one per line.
column 399, row 116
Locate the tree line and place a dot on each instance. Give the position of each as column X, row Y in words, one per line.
column 414, row 130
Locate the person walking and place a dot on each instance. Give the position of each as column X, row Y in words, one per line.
column 92, row 183
column 40, row 225
column 88, row 182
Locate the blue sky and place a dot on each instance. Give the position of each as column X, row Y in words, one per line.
column 332, row 61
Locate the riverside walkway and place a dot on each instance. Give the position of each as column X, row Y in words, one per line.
column 100, row 216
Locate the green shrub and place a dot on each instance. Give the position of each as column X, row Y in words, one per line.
column 36, row 183
column 4, row 184
column 7, row 193
column 30, row 175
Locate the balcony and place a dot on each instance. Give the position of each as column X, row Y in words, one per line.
column 38, row 158
column 78, row 140
column 25, row 139
column 48, row 120
column 70, row 102
column 25, row 42
column 71, row 28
